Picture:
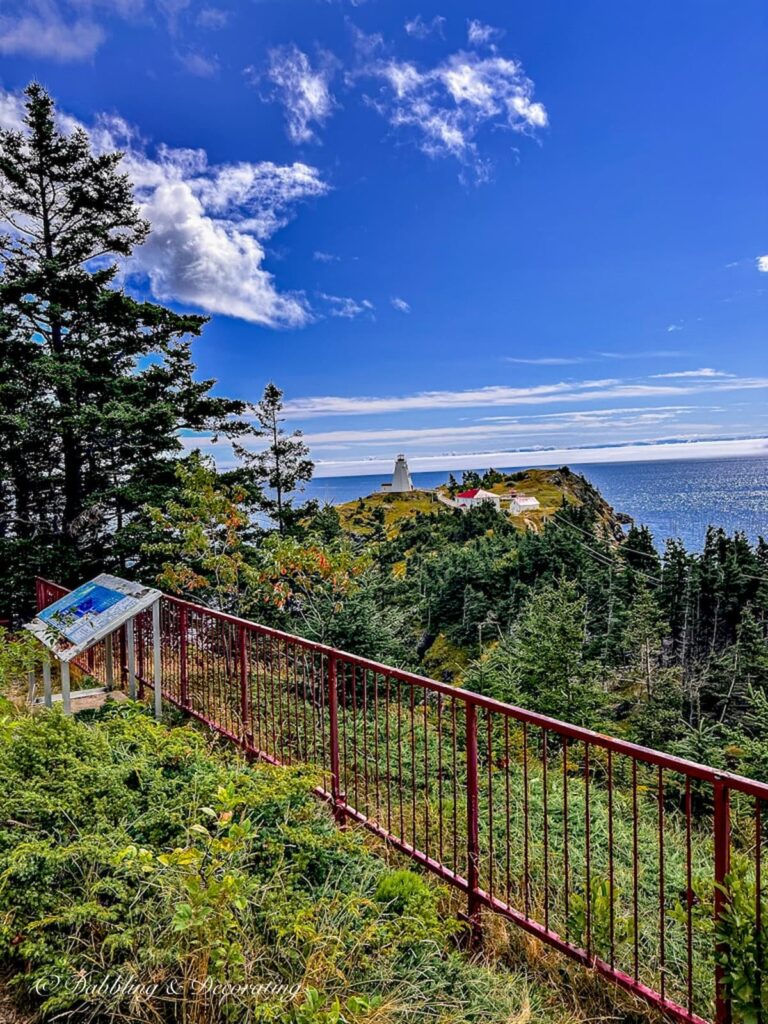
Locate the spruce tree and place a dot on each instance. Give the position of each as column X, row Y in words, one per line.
column 94, row 384
column 282, row 466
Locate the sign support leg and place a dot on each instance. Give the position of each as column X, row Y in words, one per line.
column 47, row 699
column 157, row 661
column 66, row 703
column 109, row 672
column 131, row 658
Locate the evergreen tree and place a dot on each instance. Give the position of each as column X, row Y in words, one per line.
column 94, row 385
column 283, row 465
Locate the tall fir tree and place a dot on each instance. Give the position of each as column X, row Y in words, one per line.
column 94, row 385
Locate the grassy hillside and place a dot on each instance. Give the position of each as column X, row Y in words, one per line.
column 382, row 514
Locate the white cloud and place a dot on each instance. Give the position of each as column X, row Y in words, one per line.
column 664, row 353
column 346, row 308
column 704, row 372
column 546, row 361
column 47, row 34
column 209, row 222
column 447, row 105
column 400, row 304
column 479, row 34
column 420, row 29
column 762, row 264
column 304, row 91
column 325, row 257
column 495, row 396
column 198, row 64
column 674, row 327
column 212, row 17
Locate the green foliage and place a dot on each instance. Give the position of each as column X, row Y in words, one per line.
column 132, row 850
column 95, row 386
column 20, row 653
column 200, row 538
column 744, row 955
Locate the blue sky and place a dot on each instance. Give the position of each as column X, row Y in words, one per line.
column 456, row 230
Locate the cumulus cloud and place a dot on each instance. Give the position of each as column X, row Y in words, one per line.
column 420, row 29
column 479, row 34
column 209, row 222
column 303, row 90
column 45, row 33
column 446, row 106
column 400, row 305
column 762, row 264
column 346, row 308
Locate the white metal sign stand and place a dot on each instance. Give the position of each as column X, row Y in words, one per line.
column 84, row 617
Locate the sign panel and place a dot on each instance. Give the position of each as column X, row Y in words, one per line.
column 89, row 613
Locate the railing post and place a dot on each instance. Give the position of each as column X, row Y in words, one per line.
column 243, row 658
column 722, row 822
column 338, row 799
column 183, row 663
column 473, row 838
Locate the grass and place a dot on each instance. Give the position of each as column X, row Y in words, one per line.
column 393, row 509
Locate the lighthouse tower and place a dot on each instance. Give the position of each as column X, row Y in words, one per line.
column 401, row 478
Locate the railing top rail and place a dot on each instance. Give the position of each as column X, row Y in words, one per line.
column 647, row 755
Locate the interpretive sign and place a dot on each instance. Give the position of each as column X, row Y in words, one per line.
column 90, row 613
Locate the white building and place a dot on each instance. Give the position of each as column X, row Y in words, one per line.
column 476, row 496
column 522, row 503
column 401, row 478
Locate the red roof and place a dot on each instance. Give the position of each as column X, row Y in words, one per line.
column 470, row 493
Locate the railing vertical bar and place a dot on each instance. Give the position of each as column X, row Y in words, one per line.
column 588, row 849
column 507, row 814
column 635, row 878
column 473, row 837
column 722, row 836
column 689, row 895
column 759, row 907
column 611, row 878
column 662, row 895
column 566, row 866
column 489, row 740
column 333, row 736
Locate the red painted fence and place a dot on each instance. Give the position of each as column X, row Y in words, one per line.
column 627, row 860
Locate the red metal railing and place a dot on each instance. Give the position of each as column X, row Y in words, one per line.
column 628, row 860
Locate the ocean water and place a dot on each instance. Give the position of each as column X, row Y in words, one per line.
column 674, row 498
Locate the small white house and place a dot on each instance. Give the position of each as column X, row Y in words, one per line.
column 523, row 503
column 476, row 496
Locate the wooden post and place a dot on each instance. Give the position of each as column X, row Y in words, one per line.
column 157, row 660
column 130, row 653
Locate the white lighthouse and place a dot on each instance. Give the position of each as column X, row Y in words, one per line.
column 401, row 478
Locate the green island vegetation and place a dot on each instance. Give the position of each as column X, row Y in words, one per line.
column 148, row 850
